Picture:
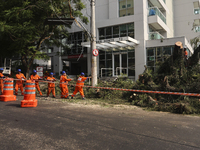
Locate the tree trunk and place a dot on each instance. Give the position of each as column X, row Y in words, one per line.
column 27, row 72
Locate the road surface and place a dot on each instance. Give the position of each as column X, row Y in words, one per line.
column 54, row 125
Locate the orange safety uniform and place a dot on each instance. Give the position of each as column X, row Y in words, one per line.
column 1, row 82
column 63, row 86
column 19, row 83
column 36, row 78
column 79, row 86
column 186, row 53
column 51, row 86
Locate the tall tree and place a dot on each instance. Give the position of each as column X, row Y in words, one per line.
column 22, row 29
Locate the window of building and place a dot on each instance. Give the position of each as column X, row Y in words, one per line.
column 197, row 28
column 196, row 7
column 126, row 8
column 117, row 31
column 50, row 50
column 158, row 55
column 108, row 32
column 73, row 42
column 196, row 11
column 109, row 58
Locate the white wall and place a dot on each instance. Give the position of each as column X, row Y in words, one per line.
column 170, row 18
column 184, row 17
column 141, row 34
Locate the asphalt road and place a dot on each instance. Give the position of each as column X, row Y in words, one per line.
column 64, row 126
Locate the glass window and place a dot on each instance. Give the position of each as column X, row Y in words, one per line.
column 109, row 63
column 131, row 72
column 79, row 35
column 131, row 30
column 196, row 11
column 123, row 30
column 101, row 33
column 131, row 62
column 197, row 29
column 109, row 56
column 50, row 50
column 131, row 54
column 126, row 8
column 102, row 57
column 150, row 52
column 108, row 32
column 167, row 51
column 115, row 31
column 158, row 54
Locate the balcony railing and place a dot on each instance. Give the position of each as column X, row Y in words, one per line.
column 155, row 36
column 155, row 11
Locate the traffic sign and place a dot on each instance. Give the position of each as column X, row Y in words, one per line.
column 39, row 69
column 95, row 52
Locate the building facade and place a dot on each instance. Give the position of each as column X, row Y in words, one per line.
column 130, row 34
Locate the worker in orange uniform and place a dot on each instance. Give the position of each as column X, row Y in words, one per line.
column 51, row 85
column 19, row 83
column 35, row 77
column 63, row 85
column 1, row 80
column 79, row 86
column 185, row 52
column 46, row 75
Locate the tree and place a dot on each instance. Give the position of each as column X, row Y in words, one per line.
column 22, row 29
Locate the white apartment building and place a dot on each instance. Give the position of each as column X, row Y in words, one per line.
column 130, row 34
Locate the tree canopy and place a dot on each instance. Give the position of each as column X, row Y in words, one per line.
column 22, row 29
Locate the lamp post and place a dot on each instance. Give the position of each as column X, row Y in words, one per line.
column 93, row 44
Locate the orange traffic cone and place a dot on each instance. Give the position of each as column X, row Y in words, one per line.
column 29, row 95
column 8, row 91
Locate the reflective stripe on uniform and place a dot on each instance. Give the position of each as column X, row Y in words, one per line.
column 7, row 81
column 7, row 89
column 30, row 83
column 29, row 92
column 8, row 85
column 29, row 88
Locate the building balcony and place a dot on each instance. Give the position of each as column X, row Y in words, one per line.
column 161, row 4
column 156, row 11
column 157, row 19
column 155, row 36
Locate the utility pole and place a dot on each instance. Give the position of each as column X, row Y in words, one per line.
column 93, row 44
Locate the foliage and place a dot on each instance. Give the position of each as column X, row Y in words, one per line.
column 22, row 29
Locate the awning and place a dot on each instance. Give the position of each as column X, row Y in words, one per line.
column 114, row 43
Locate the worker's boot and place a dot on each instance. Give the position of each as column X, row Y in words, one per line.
column 67, row 97
column 72, row 97
column 83, row 98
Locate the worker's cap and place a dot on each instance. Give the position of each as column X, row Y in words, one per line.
column 82, row 73
column 185, row 47
column 63, row 72
column 51, row 73
column 34, row 71
column 46, row 71
column 19, row 70
column 1, row 69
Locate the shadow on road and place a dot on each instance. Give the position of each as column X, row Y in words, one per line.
column 15, row 105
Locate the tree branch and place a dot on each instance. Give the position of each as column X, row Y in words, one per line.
column 42, row 39
column 31, row 6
